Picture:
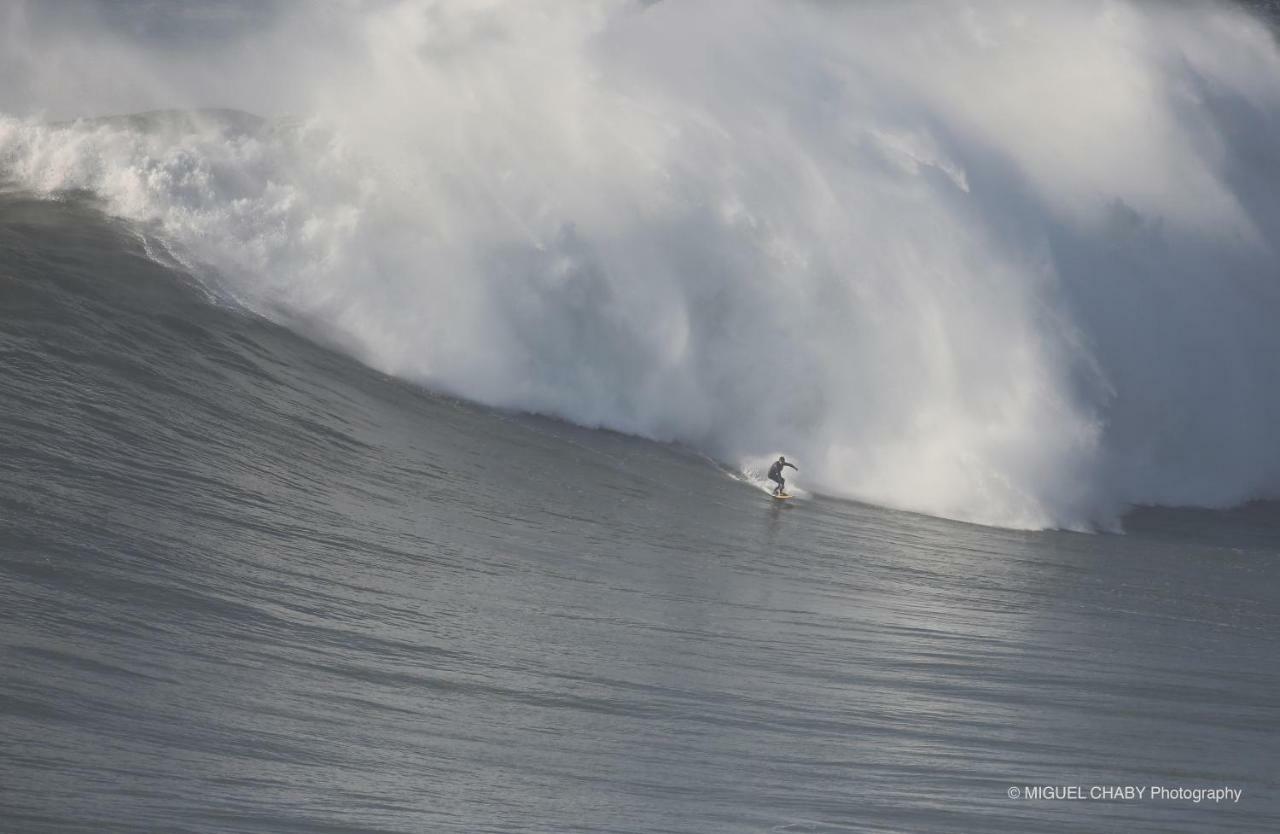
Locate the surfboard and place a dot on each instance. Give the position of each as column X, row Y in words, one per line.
column 783, row 497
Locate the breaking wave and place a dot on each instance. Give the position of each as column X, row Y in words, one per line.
column 1008, row 266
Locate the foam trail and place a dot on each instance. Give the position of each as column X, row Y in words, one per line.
column 1009, row 266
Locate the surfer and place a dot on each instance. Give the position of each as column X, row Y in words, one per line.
column 775, row 473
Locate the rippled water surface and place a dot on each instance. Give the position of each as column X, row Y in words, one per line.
column 249, row 585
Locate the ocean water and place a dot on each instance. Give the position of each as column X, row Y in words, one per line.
column 247, row 584
column 1008, row 268
column 385, row 389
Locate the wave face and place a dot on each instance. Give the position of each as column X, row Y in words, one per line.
column 248, row 585
column 1012, row 268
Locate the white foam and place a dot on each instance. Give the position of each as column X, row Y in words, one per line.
column 1006, row 264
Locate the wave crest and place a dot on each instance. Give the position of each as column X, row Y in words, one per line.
column 1005, row 267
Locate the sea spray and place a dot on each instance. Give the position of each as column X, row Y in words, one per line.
column 1006, row 265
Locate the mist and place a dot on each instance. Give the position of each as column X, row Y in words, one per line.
column 994, row 261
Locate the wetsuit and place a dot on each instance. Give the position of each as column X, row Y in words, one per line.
column 775, row 474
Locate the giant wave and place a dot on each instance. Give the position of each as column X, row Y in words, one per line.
column 961, row 258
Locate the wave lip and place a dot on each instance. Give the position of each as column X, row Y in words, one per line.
column 1003, row 267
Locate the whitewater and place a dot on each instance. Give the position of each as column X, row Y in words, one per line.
column 386, row 388
column 1018, row 269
